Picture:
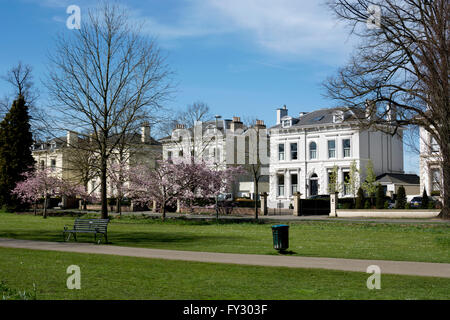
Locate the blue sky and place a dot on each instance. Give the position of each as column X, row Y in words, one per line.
column 242, row 57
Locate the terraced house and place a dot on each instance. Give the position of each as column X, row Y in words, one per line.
column 305, row 147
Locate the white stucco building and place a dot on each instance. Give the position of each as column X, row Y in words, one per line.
column 430, row 168
column 222, row 142
column 305, row 147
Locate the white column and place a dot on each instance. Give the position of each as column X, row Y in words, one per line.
column 287, row 182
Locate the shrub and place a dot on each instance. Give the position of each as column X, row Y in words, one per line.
column 386, row 204
column 367, row 204
column 431, row 205
column 347, row 205
column 425, row 200
column 408, row 205
column 435, row 193
column 401, row 198
column 360, row 199
column 379, row 202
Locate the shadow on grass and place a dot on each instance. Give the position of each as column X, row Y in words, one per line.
column 185, row 220
column 123, row 238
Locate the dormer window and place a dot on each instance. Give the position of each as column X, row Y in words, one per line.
column 338, row 117
column 286, row 122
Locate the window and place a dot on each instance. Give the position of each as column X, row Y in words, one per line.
column 281, row 152
column 169, row 155
column 346, row 145
column 331, row 149
column 286, row 123
column 346, row 183
column 316, row 119
column 293, row 151
column 280, row 185
column 53, row 163
column 435, row 180
column 42, row 164
column 434, row 145
column 294, row 183
column 180, row 153
column 312, row 150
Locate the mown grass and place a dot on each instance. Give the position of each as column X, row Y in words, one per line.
column 117, row 277
column 403, row 242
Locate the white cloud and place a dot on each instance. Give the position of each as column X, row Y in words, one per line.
column 283, row 27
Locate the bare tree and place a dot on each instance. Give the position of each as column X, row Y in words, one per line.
column 198, row 111
column 194, row 123
column 105, row 78
column 82, row 162
column 20, row 78
column 399, row 74
column 256, row 133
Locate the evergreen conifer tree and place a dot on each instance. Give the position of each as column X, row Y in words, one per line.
column 15, row 151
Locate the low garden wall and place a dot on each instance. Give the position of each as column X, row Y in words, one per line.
column 242, row 211
column 387, row 213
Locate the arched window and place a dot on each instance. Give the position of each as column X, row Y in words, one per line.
column 313, row 150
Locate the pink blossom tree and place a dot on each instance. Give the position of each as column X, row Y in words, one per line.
column 43, row 184
column 176, row 181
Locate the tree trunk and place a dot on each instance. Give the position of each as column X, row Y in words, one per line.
column 104, row 196
column 44, row 215
column 163, row 217
column 119, row 205
column 256, row 198
column 35, row 207
column 445, row 188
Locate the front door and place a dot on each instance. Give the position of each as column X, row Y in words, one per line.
column 314, row 188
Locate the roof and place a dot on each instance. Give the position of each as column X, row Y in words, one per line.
column 399, row 178
column 321, row 116
column 61, row 142
column 221, row 125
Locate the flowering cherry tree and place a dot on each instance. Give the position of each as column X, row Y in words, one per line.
column 43, row 184
column 176, row 181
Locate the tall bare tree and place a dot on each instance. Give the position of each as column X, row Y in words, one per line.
column 398, row 75
column 256, row 143
column 105, row 76
column 20, row 78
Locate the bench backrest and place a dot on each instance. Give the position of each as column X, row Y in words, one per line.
column 99, row 225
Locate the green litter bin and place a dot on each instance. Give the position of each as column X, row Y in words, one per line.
column 280, row 233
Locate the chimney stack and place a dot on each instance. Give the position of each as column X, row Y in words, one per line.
column 390, row 114
column 236, row 124
column 281, row 112
column 145, row 132
column 179, row 126
column 72, row 138
column 260, row 124
column 370, row 109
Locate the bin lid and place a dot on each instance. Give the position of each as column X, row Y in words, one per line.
column 280, row 226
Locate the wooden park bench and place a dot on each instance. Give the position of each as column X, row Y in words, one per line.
column 95, row 226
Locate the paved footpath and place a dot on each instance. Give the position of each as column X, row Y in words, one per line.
column 387, row 267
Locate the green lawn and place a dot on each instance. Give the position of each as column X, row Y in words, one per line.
column 116, row 277
column 404, row 242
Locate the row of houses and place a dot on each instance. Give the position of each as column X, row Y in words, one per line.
column 298, row 154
